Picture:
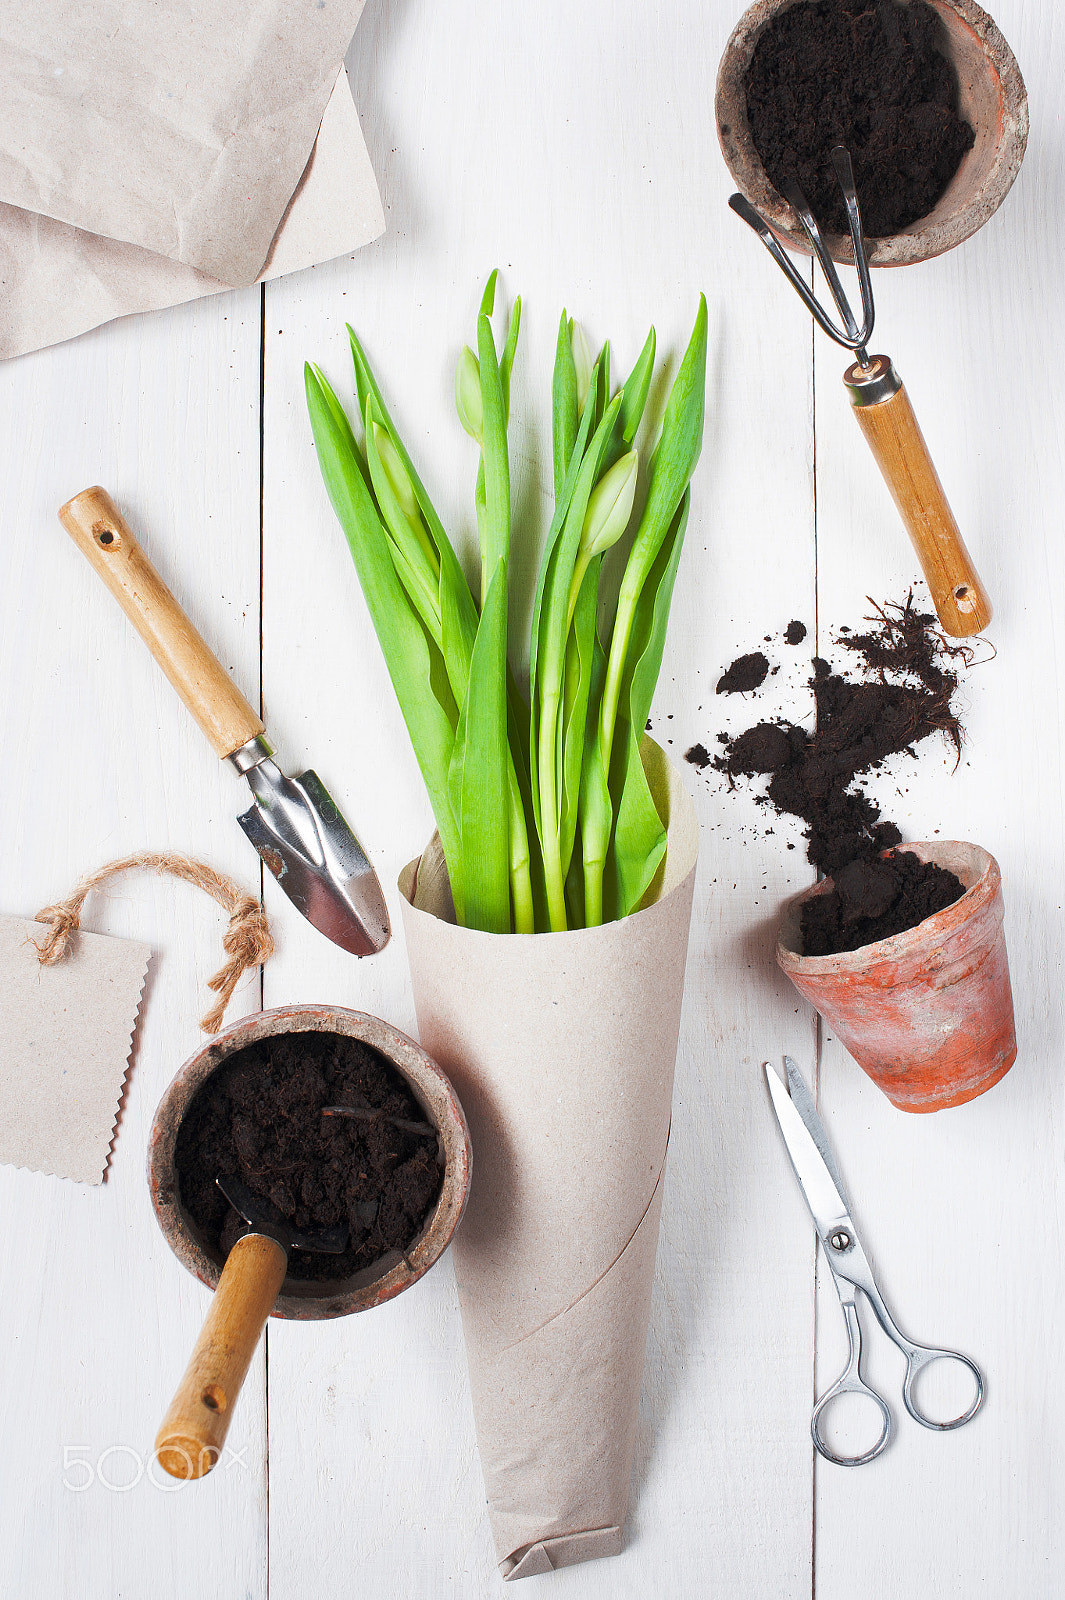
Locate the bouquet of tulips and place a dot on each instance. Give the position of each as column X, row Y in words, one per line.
column 543, row 808
column 561, row 1050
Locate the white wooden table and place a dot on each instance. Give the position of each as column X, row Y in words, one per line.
column 574, row 147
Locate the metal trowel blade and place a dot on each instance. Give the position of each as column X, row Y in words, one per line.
column 305, row 842
column 265, row 1218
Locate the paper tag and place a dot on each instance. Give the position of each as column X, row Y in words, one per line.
column 65, row 1038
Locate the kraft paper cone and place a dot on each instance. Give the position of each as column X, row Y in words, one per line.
column 562, row 1048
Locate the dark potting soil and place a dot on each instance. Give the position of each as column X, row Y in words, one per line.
column 795, row 633
column 746, row 673
column 871, row 75
column 871, row 900
column 904, row 697
column 699, row 756
column 259, row 1118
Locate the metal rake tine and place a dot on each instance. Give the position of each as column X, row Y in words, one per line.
column 844, row 170
column 743, row 208
column 801, row 205
column 853, row 338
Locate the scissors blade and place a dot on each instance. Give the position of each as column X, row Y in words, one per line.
column 803, row 1101
column 823, row 1195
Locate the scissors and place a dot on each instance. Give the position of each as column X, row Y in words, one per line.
column 819, row 1179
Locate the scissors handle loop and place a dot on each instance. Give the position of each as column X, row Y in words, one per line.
column 850, row 1382
column 919, row 1358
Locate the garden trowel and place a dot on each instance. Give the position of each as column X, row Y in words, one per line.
column 194, row 1429
column 293, row 823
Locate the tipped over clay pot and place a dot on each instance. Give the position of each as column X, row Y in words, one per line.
column 928, row 1013
column 301, row 1298
column 991, row 98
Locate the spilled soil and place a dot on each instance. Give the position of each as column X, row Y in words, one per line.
column 259, row 1118
column 903, row 696
column 746, row 673
column 870, row 75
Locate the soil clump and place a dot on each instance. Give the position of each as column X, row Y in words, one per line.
column 259, row 1118
column 904, row 696
column 745, row 673
column 871, row 900
column 795, row 633
column 870, row 76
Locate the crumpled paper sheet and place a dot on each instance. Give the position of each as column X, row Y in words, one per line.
column 65, row 1038
column 562, row 1049
column 182, row 128
column 59, row 281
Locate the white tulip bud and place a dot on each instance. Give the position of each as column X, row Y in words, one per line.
column 607, row 517
column 468, row 394
column 610, row 507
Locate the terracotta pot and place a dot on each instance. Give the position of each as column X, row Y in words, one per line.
column 393, row 1273
column 992, row 100
column 928, row 1014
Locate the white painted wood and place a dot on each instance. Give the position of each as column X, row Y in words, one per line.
column 962, row 1209
column 620, row 216
column 97, row 1317
column 574, row 148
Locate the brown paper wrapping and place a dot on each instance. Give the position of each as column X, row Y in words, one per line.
column 60, row 281
column 182, row 128
column 562, row 1048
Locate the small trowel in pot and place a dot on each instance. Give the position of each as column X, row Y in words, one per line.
column 293, row 824
column 190, row 1441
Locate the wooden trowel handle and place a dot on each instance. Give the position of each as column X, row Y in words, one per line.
column 896, row 440
column 194, row 1429
column 100, row 532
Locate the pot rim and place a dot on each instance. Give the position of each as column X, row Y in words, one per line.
column 921, row 240
column 431, row 1087
column 932, row 930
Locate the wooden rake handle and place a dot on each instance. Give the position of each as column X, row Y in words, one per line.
column 102, row 535
column 194, row 1429
column 886, row 418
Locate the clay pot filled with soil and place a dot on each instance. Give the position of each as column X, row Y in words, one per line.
column 932, row 107
column 396, row 1172
column 927, row 1012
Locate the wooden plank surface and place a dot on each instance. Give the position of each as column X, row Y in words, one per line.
column 700, row 1427
column 574, row 149
column 97, row 1317
column 963, row 1209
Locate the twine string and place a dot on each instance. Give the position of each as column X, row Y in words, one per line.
column 247, row 941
